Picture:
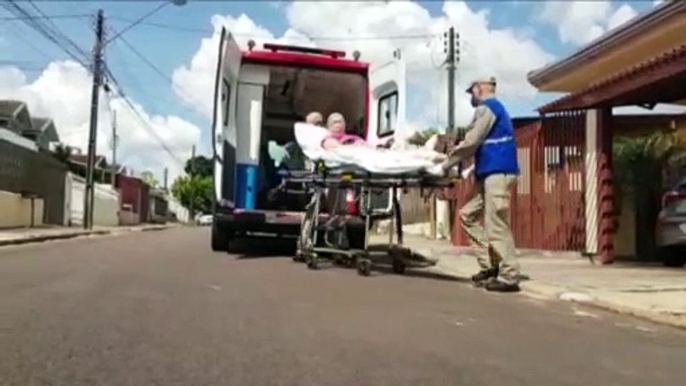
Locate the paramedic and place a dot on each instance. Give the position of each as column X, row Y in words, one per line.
column 491, row 141
column 337, row 135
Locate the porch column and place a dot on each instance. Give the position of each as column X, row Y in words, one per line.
column 599, row 193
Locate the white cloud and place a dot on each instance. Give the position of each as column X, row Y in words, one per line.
column 63, row 92
column 657, row 2
column 623, row 14
column 507, row 53
column 580, row 22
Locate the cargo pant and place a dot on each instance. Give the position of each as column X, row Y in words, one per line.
column 494, row 238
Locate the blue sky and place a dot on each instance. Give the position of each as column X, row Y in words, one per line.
column 170, row 49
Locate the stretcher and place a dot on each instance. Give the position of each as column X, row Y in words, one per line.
column 329, row 241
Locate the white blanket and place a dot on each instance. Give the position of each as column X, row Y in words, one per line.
column 386, row 161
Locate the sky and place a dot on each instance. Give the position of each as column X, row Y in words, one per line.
column 165, row 64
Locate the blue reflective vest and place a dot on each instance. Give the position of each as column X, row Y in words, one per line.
column 498, row 153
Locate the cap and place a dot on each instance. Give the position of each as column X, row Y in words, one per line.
column 482, row 79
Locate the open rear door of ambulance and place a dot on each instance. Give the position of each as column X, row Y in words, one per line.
column 224, row 139
column 388, row 95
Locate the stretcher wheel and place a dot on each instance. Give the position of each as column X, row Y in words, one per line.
column 364, row 267
column 313, row 261
column 398, row 266
column 299, row 258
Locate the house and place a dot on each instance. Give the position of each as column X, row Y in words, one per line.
column 43, row 133
column 15, row 119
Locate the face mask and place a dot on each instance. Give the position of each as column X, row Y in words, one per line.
column 475, row 101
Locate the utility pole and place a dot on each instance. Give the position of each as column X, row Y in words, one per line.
column 192, row 173
column 452, row 49
column 92, row 134
column 166, row 179
column 115, row 141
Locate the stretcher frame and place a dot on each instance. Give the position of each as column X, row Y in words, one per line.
column 342, row 179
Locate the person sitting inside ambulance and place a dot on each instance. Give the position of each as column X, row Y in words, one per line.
column 335, row 123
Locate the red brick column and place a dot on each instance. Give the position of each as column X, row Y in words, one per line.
column 606, row 223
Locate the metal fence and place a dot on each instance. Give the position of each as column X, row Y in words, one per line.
column 39, row 174
column 547, row 204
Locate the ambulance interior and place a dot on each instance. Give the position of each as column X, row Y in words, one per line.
column 289, row 95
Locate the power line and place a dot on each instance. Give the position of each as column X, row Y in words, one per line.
column 52, row 36
column 322, row 38
column 139, row 21
column 155, row 68
column 146, row 124
column 49, row 17
column 57, row 30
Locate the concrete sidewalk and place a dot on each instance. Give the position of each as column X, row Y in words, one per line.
column 35, row 235
column 648, row 291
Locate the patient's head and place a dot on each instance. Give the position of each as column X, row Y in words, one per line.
column 336, row 123
column 315, row 118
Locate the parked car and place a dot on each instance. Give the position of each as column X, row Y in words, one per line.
column 205, row 219
column 670, row 232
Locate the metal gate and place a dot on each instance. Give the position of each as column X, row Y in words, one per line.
column 547, row 208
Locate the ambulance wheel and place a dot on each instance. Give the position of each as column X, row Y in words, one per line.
column 220, row 239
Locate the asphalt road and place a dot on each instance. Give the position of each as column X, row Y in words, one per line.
column 159, row 308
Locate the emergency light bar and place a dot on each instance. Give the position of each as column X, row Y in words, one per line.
column 307, row 50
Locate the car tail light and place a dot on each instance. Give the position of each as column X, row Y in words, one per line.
column 351, row 202
column 671, row 197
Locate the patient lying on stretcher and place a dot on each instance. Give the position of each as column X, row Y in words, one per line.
column 337, row 137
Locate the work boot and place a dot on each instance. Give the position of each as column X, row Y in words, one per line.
column 501, row 286
column 484, row 275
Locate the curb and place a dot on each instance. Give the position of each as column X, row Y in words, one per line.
column 62, row 236
column 537, row 290
column 79, row 234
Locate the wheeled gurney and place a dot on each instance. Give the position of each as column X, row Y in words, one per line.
column 333, row 243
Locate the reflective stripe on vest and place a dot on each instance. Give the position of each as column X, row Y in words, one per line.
column 492, row 141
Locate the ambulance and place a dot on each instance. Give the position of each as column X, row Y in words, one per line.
column 260, row 93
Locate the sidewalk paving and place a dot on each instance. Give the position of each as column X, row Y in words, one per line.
column 647, row 291
column 34, row 235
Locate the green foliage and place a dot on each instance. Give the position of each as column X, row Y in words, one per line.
column 149, row 179
column 199, row 166
column 644, row 168
column 62, row 153
column 196, row 189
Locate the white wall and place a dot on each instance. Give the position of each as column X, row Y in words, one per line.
column 15, row 210
column 182, row 214
column 106, row 205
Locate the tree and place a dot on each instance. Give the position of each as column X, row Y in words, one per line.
column 199, row 166
column 62, row 152
column 149, row 178
column 196, row 188
column 644, row 168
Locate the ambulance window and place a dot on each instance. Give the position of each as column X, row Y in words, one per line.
column 226, row 96
column 388, row 114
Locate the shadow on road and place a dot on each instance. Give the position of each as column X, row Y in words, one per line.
column 255, row 248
